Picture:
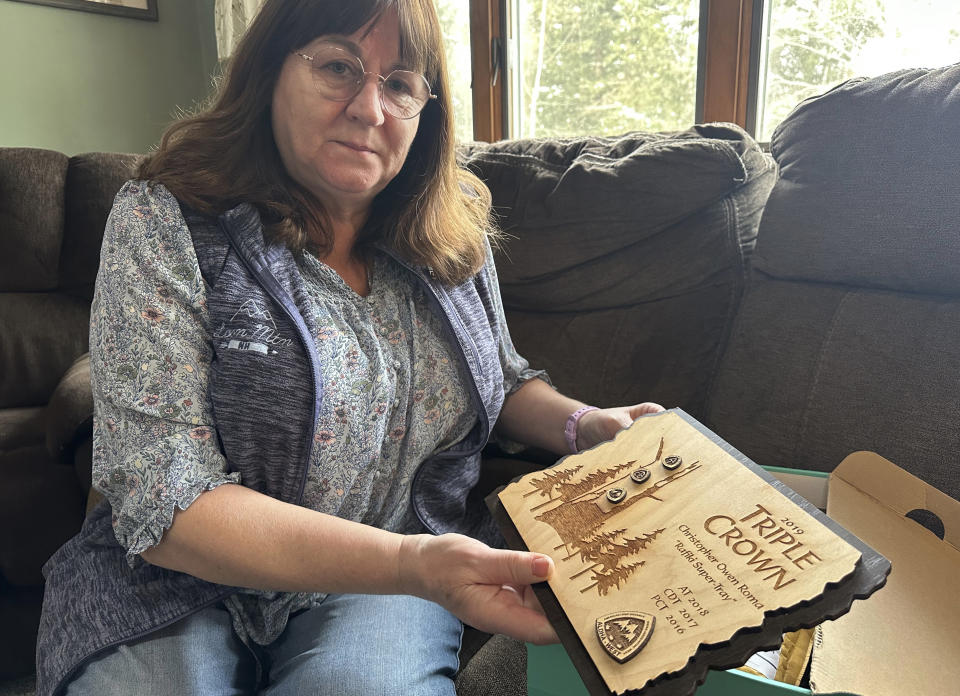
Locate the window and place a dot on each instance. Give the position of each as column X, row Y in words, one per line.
column 558, row 68
column 809, row 46
column 455, row 22
column 602, row 67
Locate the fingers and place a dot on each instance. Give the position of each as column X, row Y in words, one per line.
column 516, row 611
column 520, row 567
column 526, row 625
column 486, row 588
column 509, row 613
column 646, row 408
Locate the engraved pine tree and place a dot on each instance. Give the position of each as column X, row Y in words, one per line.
column 622, row 633
column 577, row 520
column 604, row 562
column 570, row 490
column 619, row 634
column 578, row 516
column 551, row 480
column 608, row 556
column 604, row 582
column 590, row 547
column 573, row 521
column 637, row 544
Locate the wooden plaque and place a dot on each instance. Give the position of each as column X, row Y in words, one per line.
column 675, row 554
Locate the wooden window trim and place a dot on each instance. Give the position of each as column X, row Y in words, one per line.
column 726, row 74
column 485, row 28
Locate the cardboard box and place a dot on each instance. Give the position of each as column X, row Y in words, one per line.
column 906, row 638
column 863, row 486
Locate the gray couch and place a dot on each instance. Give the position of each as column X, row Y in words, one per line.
column 637, row 268
column 803, row 304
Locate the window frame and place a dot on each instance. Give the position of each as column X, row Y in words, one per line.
column 487, row 54
column 727, row 64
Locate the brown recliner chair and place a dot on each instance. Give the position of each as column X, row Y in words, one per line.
column 52, row 212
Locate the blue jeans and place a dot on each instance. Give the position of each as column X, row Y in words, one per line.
column 350, row 645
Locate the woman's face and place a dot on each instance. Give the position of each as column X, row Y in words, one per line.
column 345, row 153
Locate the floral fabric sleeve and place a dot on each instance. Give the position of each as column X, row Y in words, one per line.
column 155, row 446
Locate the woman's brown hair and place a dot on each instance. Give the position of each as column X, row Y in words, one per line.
column 433, row 213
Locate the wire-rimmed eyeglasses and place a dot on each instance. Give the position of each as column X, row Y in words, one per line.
column 339, row 76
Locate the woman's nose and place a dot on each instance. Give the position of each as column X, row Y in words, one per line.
column 366, row 105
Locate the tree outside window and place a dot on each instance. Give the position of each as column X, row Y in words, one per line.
column 605, row 67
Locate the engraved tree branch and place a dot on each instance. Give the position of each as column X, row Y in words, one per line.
column 650, row 491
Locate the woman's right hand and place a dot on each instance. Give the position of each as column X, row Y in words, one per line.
column 486, row 588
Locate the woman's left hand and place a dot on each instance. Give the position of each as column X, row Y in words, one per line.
column 599, row 426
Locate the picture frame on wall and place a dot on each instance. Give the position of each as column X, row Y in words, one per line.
column 134, row 9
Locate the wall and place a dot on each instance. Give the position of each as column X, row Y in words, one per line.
column 81, row 82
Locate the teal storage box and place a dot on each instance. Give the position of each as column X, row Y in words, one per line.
column 550, row 673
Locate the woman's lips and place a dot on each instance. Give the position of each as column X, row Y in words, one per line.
column 358, row 147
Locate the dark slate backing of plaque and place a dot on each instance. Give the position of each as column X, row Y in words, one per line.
column 868, row 576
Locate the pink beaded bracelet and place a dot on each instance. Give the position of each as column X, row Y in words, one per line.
column 570, row 429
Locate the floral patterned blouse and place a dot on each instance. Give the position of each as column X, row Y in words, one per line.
column 394, row 390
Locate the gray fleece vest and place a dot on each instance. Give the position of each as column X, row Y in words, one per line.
column 266, row 402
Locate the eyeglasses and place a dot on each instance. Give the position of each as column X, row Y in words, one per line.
column 339, row 76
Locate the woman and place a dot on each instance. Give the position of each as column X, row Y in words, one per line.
column 298, row 352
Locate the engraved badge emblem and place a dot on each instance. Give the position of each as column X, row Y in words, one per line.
column 625, row 633
column 615, row 495
column 672, row 462
column 639, row 476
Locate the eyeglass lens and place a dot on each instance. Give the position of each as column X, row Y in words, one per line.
column 339, row 75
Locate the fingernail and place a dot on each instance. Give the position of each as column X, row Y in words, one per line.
column 541, row 566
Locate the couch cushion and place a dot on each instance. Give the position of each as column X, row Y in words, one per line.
column 624, row 258
column 846, row 339
column 20, row 609
column 69, row 413
column 21, row 426
column 499, row 668
column 93, row 180
column 843, row 370
column 41, row 506
column 868, row 190
column 31, row 218
column 43, row 333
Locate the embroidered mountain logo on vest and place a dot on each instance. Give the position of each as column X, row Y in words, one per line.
column 251, row 328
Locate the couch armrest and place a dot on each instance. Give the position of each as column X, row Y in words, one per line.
column 69, row 413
